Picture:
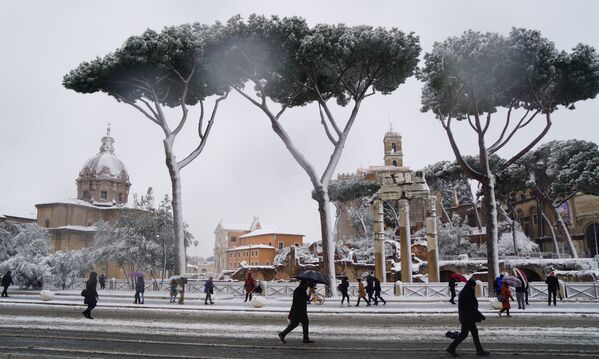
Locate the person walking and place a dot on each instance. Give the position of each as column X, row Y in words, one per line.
column 91, row 295
column 498, row 282
column 208, row 290
column 298, row 313
column 102, row 281
column 469, row 316
column 370, row 287
column 362, row 293
column 343, row 288
column 526, row 292
column 6, row 282
column 173, row 290
column 452, row 285
column 520, row 295
column 250, row 286
column 140, row 288
column 504, row 297
column 182, row 284
column 552, row 287
column 377, row 292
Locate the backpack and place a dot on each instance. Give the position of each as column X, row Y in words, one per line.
column 340, row 288
column 84, row 292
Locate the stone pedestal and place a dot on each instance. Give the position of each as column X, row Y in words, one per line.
column 431, row 239
column 404, row 241
column 380, row 270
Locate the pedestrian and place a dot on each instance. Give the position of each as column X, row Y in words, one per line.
column 102, row 281
column 526, row 292
column 6, row 282
column 298, row 313
column 520, row 293
column 552, row 287
column 311, row 292
column 497, row 283
column 370, row 286
column 208, row 290
column 377, row 292
column 452, row 284
column 504, row 297
column 91, row 295
column 173, row 290
column 140, row 288
column 343, row 288
column 469, row 316
column 362, row 293
column 182, row 284
column 250, row 286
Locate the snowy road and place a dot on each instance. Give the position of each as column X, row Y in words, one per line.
column 233, row 330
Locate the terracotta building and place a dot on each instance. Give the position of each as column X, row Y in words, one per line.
column 253, row 244
column 102, row 193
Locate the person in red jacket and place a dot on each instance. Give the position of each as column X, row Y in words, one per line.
column 250, row 286
column 505, row 303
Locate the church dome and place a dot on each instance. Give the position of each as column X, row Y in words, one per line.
column 104, row 179
column 105, row 164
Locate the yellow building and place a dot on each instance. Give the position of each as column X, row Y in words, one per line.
column 102, row 193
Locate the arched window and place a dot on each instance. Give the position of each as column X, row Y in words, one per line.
column 394, row 163
column 394, row 147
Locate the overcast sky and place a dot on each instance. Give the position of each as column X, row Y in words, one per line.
column 48, row 132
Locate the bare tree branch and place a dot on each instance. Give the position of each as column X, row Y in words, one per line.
column 525, row 150
column 326, row 127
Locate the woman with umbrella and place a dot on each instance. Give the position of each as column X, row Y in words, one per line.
column 298, row 312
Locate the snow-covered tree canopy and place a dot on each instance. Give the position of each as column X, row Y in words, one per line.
column 350, row 189
column 447, row 177
column 27, row 250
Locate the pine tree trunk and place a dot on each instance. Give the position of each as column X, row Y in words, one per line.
column 328, row 245
column 564, row 230
column 178, row 227
column 490, row 206
column 552, row 234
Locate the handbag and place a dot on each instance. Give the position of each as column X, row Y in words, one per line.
column 84, row 292
column 500, row 298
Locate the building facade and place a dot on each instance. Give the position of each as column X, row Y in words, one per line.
column 102, row 193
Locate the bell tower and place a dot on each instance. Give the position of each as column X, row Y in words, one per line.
column 393, row 153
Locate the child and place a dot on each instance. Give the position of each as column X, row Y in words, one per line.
column 361, row 293
column 507, row 295
column 173, row 290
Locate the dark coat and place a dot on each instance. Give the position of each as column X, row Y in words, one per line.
column 369, row 284
column 344, row 286
column 91, row 297
column 452, row 284
column 552, row 282
column 299, row 306
column 102, row 279
column 208, row 286
column 377, row 285
column 468, row 306
column 140, row 285
column 7, row 280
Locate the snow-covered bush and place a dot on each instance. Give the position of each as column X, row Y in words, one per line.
column 505, row 245
column 302, row 253
column 453, row 238
column 27, row 255
column 67, row 266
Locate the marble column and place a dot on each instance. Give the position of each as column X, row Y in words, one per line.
column 431, row 238
column 380, row 270
column 405, row 245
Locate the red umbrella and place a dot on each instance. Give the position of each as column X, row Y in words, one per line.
column 520, row 274
column 458, row 277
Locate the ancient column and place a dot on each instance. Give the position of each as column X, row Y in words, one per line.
column 380, row 270
column 431, row 238
column 405, row 246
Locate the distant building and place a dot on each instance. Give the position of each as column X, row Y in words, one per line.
column 16, row 215
column 102, row 193
column 252, row 244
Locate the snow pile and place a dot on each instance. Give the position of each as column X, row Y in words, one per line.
column 505, row 245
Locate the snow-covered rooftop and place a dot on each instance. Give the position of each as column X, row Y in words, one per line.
column 80, row 202
column 77, row 228
column 385, row 168
column 252, row 246
column 270, row 230
column 17, row 213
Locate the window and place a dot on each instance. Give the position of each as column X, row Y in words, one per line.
column 103, row 194
column 120, row 197
column 296, row 244
column 534, row 219
column 233, row 239
column 394, row 147
column 394, row 163
column 47, row 222
column 266, row 263
column 85, row 194
column 281, row 245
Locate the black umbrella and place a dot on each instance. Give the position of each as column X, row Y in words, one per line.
column 312, row 276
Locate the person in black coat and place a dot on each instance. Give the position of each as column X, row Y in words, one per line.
column 140, row 288
column 6, row 282
column 370, row 287
column 552, row 287
column 452, row 284
column 377, row 292
column 298, row 313
column 208, row 290
column 91, row 295
column 102, row 281
column 469, row 316
column 343, row 288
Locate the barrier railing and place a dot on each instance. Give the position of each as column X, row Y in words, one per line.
column 537, row 290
